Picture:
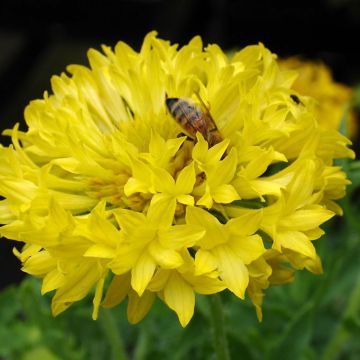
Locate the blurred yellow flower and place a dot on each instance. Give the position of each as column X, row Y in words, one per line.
column 104, row 185
column 333, row 99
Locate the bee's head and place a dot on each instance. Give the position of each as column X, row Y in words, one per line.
column 170, row 102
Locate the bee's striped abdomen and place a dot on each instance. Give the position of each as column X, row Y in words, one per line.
column 192, row 119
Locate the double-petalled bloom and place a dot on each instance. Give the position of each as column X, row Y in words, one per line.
column 111, row 197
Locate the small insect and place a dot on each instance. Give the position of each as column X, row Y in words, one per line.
column 295, row 99
column 193, row 119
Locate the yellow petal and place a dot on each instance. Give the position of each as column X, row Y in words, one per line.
column 159, row 280
column 179, row 236
column 225, row 194
column 247, row 248
column 307, row 219
column 142, row 273
column 117, row 290
column 180, row 297
column 162, row 209
column 100, row 251
column 138, row 306
column 163, row 181
column 186, row 180
column 205, row 262
column 245, row 224
column 301, row 186
column 215, row 232
column 39, row 263
column 208, row 284
column 296, row 241
column 232, row 270
column 97, row 297
column 128, row 219
column 165, row 257
column 53, row 280
column 225, row 170
column 206, row 200
column 77, row 286
column 185, row 199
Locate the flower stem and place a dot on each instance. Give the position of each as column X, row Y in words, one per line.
column 218, row 325
column 112, row 334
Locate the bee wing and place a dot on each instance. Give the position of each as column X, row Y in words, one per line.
column 190, row 118
column 210, row 123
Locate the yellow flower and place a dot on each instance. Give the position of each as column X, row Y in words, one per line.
column 227, row 248
column 333, row 99
column 105, row 185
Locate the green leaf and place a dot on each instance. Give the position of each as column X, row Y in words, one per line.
column 294, row 342
column 250, row 204
column 343, row 125
column 40, row 352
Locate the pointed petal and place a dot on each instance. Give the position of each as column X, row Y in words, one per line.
column 161, row 210
column 97, row 298
column 206, row 200
column 128, row 219
column 138, row 306
column 296, row 241
column 314, row 265
column 180, row 297
column 117, row 290
column 264, row 187
column 77, row 286
column 225, row 171
column 179, row 236
column 258, row 165
column 246, row 224
column 200, row 149
column 308, row 219
column 157, row 143
column 244, row 188
column 185, row 199
column 100, row 251
column 101, row 229
column 248, row 248
column 215, row 232
column 39, row 263
column 159, row 280
column 163, row 181
column 216, row 152
column 142, row 179
column 165, row 257
column 186, row 180
column 205, row 262
column 142, row 273
column 134, row 185
column 53, row 280
column 224, row 194
column 232, row 270
column 207, row 284
column 301, row 186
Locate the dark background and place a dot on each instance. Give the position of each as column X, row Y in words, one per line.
column 38, row 38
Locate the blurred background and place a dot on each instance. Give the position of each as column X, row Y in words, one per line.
column 39, row 38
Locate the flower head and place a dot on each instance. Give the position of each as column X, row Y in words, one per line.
column 333, row 99
column 106, row 183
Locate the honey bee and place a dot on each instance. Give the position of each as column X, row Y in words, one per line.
column 193, row 119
